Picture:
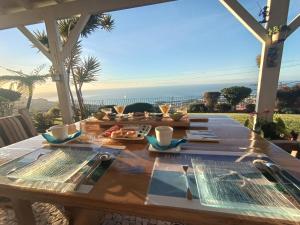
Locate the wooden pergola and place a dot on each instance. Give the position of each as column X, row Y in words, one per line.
column 19, row 13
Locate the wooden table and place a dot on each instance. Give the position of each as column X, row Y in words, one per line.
column 124, row 189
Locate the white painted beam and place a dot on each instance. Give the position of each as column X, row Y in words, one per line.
column 269, row 76
column 62, row 87
column 68, row 9
column 246, row 19
column 294, row 24
column 74, row 35
column 36, row 42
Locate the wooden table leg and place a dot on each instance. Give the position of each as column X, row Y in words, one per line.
column 84, row 216
column 23, row 211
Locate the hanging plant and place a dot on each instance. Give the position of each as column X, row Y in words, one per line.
column 278, row 34
column 264, row 13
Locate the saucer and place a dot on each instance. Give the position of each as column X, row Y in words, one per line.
column 170, row 150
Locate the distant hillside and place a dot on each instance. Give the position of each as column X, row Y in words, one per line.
column 39, row 104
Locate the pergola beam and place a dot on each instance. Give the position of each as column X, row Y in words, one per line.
column 69, row 9
column 36, row 42
column 62, row 87
column 294, row 24
column 74, row 35
column 246, row 19
column 27, row 4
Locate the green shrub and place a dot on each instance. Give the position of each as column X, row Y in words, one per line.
column 139, row 107
column 250, row 108
column 42, row 121
column 10, row 95
column 234, row 95
column 211, row 99
column 289, row 110
column 223, row 107
column 54, row 112
column 197, row 108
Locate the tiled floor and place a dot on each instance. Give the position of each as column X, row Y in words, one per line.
column 47, row 214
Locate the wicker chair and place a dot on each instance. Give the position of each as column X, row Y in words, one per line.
column 27, row 122
column 12, row 130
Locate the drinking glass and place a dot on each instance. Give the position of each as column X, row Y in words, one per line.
column 165, row 108
column 107, row 110
column 120, row 109
column 182, row 109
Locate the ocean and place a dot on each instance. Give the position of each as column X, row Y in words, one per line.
column 156, row 92
column 174, row 94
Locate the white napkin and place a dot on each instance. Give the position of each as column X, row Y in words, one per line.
column 201, row 135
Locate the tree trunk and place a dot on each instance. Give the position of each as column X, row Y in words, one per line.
column 71, row 94
column 81, row 106
column 30, row 93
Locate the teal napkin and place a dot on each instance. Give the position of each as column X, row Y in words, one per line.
column 53, row 140
column 174, row 143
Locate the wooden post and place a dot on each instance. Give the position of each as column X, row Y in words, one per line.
column 55, row 47
column 23, row 211
column 269, row 76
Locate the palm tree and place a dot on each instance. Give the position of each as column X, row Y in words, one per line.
column 25, row 83
column 73, row 62
column 86, row 72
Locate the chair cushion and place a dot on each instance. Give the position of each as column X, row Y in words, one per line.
column 27, row 122
column 2, row 144
column 12, row 130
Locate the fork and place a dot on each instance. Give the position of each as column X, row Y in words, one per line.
column 189, row 194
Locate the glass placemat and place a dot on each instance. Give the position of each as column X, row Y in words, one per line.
column 57, row 166
column 240, row 187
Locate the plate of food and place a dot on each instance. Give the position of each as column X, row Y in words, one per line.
column 127, row 132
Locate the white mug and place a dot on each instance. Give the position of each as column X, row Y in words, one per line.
column 164, row 135
column 60, row 132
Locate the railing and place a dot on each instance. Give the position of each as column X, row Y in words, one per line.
column 93, row 105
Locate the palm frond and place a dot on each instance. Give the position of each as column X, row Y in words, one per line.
column 66, row 25
column 38, row 69
column 106, row 21
column 19, row 72
column 23, row 82
column 42, row 37
column 91, row 65
column 74, row 58
column 87, row 71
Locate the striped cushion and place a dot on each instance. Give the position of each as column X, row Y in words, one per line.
column 27, row 122
column 11, row 130
column 2, row 144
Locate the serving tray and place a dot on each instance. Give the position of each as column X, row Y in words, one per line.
column 183, row 123
column 142, row 130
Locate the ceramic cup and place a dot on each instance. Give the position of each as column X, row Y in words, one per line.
column 164, row 135
column 60, row 132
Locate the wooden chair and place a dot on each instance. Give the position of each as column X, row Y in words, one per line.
column 27, row 122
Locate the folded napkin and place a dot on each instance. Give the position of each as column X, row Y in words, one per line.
column 174, row 143
column 51, row 139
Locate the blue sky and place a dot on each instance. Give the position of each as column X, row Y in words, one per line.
column 181, row 42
